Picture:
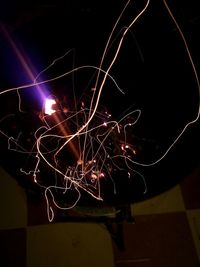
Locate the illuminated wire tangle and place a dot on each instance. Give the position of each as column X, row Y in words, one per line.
column 84, row 145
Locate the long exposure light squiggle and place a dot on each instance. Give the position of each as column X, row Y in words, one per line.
column 85, row 145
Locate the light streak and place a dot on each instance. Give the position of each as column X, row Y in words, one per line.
column 83, row 146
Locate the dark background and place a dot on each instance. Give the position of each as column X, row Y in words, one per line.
column 153, row 69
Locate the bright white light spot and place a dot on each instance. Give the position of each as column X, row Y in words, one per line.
column 48, row 106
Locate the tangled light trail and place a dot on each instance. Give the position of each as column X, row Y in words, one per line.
column 84, row 145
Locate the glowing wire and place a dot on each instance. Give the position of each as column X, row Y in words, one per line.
column 103, row 142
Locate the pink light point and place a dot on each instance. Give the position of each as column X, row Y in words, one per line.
column 48, row 106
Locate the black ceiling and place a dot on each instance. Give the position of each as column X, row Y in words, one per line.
column 153, row 68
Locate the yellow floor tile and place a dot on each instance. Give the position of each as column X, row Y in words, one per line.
column 13, row 210
column 69, row 244
column 170, row 201
column 194, row 221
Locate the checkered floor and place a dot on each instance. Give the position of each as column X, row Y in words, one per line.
column 166, row 232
